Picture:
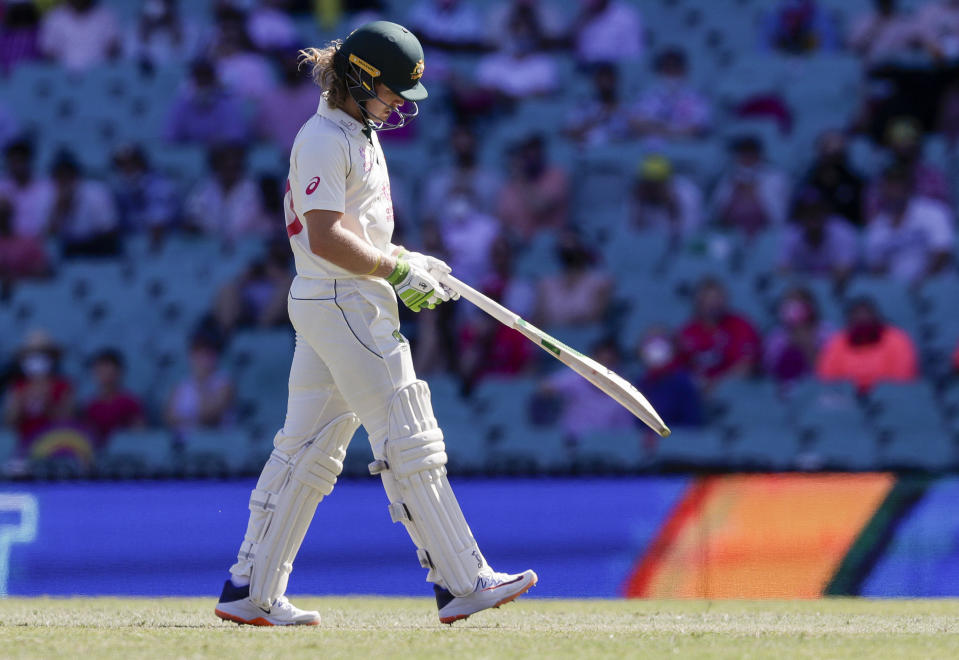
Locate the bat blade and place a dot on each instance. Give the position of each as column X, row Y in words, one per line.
column 611, row 383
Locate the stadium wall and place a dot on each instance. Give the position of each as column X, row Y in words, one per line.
column 731, row 536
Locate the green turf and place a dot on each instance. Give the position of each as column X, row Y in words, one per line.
column 389, row 627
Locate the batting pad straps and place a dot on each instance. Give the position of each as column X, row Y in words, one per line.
column 313, row 476
column 412, row 466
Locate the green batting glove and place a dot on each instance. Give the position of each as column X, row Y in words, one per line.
column 415, row 286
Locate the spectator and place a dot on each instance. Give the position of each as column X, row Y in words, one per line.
column 295, row 100
column 270, row 26
column 449, row 25
column 161, row 35
column 258, row 297
column 227, row 205
column 834, row 177
column 32, row 198
column 717, row 342
column 537, row 194
column 241, row 69
column 19, row 35
column 904, row 139
column 584, row 408
column 146, row 200
column 938, row 24
column 465, row 177
column 799, row 27
column 818, row 242
column 113, row 407
column 205, row 398
column 39, row 397
column 608, row 31
column 579, row 294
column 791, row 347
column 666, row 201
column 205, row 112
column 83, row 216
column 602, row 119
column 518, row 70
column 911, row 237
column 752, row 195
column 868, row 350
column 666, row 383
column 671, row 107
column 20, row 256
column 549, row 24
column 486, row 347
column 467, row 235
column 79, row 34
column 883, row 33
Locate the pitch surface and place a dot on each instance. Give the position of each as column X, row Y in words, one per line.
column 391, row 627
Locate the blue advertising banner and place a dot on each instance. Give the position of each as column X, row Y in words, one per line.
column 582, row 536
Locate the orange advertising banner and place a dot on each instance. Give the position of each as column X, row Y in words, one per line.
column 758, row 536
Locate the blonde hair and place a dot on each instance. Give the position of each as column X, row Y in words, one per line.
column 323, row 72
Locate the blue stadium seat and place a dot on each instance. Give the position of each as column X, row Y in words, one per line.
column 905, row 403
column 691, row 448
column 919, row 447
column 746, row 403
column 141, row 453
column 8, row 444
column 763, row 446
column 359, row 455
column 214, row 452
column 524, row 449
column 618, row 451
column 504, row 401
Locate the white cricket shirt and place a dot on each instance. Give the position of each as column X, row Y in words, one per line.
column 334, row 166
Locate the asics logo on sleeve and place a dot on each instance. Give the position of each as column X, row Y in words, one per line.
column 314, row 182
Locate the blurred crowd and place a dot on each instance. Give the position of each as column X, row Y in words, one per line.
column 242, row 87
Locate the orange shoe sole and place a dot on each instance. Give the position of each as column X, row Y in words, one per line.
column 259, row 621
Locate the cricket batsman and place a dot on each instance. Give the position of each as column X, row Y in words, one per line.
column 351, row 365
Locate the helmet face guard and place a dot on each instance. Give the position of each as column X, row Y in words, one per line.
column 360, row 77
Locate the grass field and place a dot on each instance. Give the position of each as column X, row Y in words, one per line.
column 393, row 627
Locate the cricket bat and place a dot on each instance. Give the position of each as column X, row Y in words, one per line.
column 605, row 379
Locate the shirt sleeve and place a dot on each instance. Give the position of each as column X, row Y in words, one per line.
column 321, row 165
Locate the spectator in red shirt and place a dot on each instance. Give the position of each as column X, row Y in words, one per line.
column 868, row 350
column 113, row 407
column 39, row 397
column 20, row 256
column 717, row 342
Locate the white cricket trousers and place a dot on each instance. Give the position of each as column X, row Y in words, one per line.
column 349, row 356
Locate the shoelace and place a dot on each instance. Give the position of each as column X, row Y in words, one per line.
column 491, row 578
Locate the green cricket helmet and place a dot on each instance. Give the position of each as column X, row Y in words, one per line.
column 384, row 52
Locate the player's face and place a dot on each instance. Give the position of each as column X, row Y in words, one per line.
column 386, row 102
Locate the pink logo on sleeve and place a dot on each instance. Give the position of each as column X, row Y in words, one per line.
column 314, row 182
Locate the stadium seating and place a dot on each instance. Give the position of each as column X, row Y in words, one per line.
column 214, row 453
column 689, row 448
column 137, row 454
column 146, row 303
column 612, row 452
column 8, row 444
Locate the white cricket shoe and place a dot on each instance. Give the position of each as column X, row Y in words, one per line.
column 492, row 590
column 235, row 605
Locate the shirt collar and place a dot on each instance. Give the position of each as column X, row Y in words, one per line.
column 338, row 117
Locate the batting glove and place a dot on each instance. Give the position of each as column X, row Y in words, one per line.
column 435, row 267
column 415, row 286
